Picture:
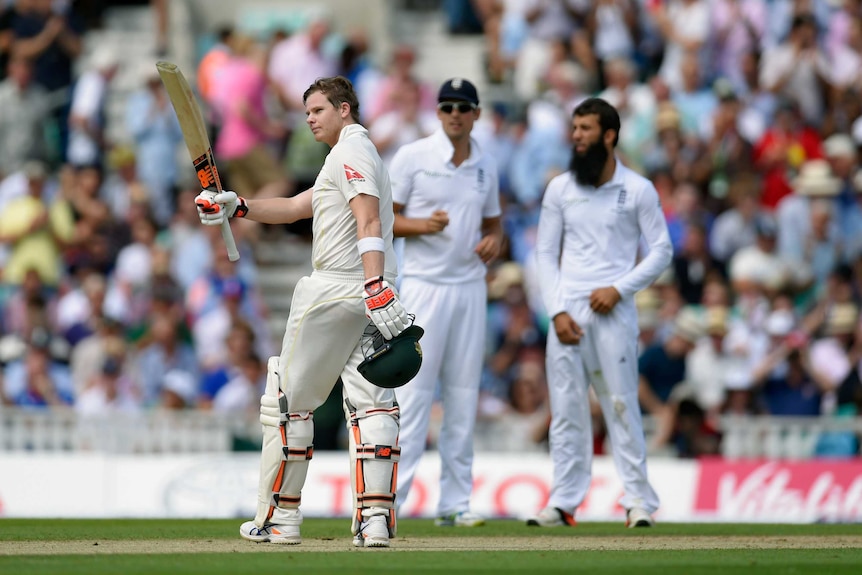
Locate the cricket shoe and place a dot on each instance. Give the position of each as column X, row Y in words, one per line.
column 637, row 517
column 460, row 519
column 271, row 533
column 552, row 517
column 372, row 533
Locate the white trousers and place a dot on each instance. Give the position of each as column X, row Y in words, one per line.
column 322, row 343
column 606, row 358
column 453, row 317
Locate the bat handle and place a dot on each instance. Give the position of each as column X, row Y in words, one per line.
column 229, row 242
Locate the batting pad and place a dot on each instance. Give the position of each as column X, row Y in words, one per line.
column 287, row 449
column 374, row 456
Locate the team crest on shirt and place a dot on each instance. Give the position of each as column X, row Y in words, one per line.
column 621, row 201
column 353, row 175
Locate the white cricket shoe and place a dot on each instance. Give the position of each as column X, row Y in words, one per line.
column 552, row 517
column 460, row 519
column 637, row 517
column 372, row 533
column 271, row 533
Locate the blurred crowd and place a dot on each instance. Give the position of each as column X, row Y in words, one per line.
column 745, row 114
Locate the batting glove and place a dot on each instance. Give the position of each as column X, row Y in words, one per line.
column 383, row 308
column 212, row 209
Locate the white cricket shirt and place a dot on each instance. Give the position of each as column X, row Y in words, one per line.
column 588, row 237
column 352, row 167
column 424, row 180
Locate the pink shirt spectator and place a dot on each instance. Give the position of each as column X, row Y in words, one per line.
column 296, row 62
column 247, row 86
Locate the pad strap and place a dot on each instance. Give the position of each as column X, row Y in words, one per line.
column 292, row 453
column 357, row 414
column 384, row 500
column 286, row 501
column 371, row 451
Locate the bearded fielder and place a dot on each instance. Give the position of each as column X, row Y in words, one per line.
column 587, row 250
column 354, row 269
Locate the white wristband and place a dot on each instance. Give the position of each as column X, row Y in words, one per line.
column 370, row 245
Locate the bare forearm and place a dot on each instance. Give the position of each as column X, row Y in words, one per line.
column 405, row 227
column 280, row 210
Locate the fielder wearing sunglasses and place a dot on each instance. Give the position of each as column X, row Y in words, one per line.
column 462, row 107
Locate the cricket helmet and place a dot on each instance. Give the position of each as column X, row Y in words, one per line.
column 391, row 363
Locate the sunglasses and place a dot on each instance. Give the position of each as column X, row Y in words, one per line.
column 462, row 107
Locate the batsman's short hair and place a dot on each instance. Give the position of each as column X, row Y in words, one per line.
column 338, row 90
column 609, row 118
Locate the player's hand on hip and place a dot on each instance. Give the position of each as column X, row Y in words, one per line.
column 438, row 221
column 384, row 309
column 213, row 209
column 603, row 300
column 567, row 329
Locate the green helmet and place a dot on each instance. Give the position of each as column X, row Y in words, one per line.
column 391, row 363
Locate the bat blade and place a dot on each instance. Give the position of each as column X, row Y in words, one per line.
column 195, row 135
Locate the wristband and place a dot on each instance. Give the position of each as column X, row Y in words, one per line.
column 241, row 208
column 370, row 244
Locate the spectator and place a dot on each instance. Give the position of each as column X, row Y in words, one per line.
column 179, row 390
column 684, row 25
column 519, row 425
column 401, row 74
column 54, row 43
column 241, row 395
column 240, row 343
column 109, row 392
column 23, row 108
column 693, row 265
column 37, row 229
column 814, row 185
column 212, row 63
column 297, row 61
column 87, row 144
column 91, row 352
column 153, row 125
column 799, row 69
column 738, row 31
column 247, row 131
column 661, row 367
column 782, row 150
column 735, row 228
column 406, row 123
column 37, row 380
column 162, row 351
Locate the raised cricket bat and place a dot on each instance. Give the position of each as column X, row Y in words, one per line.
column 198, row 143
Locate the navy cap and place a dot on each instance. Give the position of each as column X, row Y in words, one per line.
column 458, row 89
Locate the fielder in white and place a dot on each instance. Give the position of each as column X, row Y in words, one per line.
column 447, row 206
column 587, row 249
column 354, row 267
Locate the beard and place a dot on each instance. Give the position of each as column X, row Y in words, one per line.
column 588, row 166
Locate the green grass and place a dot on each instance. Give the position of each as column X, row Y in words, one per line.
column 482, row 558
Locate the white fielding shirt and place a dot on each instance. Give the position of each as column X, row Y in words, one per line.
column 588, row 237
column 425, row 180
column 352, row 167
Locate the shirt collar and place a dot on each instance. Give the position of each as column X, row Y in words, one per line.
column 618, row 179
column 447, row 150
column 350, row 130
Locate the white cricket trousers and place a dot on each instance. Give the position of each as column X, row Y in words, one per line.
column 606, row 358
column 322, row 343
column 454, row 317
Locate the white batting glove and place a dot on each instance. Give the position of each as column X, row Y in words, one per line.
column 384, row 309
column 214, row 208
